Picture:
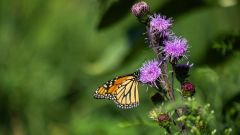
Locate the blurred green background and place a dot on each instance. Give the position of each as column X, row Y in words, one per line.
column 55, row 53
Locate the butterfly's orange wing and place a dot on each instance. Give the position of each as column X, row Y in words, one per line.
column 122, row 90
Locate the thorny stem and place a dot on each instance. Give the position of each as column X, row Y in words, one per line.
column 168, row 131
column 166, row 84
column 172, row 77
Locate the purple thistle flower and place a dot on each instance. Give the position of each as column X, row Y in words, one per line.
column 175, row 48
column 160, row 24
column 140, row 9
column 150, row 72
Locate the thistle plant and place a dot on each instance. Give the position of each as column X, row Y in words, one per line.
column 176, row 109
column 169, row 48
column 184, row 115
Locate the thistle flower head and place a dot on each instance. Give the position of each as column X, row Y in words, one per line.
column 139, row 9
column 175, row 47
column 159, row 115
column 160, row 24
column 150, row 72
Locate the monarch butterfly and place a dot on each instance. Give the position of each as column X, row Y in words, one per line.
column 123, row 90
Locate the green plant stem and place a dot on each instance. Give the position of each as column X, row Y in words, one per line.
column 181, row 125
column 172, row 90
column 168, row 131
column 166, row 84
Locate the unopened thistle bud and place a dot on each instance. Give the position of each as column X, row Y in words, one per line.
column 188, row 89
column 164, row 120
column 182, row 71
column 140, row 9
